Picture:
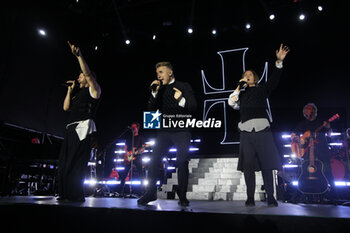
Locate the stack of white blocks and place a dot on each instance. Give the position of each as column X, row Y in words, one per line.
column 214, row 179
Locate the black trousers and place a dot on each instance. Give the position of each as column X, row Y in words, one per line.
column 258, row 153
column 249, row 178
column 137, row 172
column 181, row 140
column 72, row 165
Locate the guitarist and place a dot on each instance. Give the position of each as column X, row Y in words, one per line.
column 137, row 160
column 321, row 150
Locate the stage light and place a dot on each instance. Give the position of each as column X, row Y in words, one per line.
column 154, row 37
column 341, row 183
column 146, row 159
column 285, row 136
column 127, row 42
column 134, row 182
column 42, row 32
column 302, row 17
column 335, row 144
column 91, row 164
column 248, row 26
column 96, row 47
column 111, row 182
column 190, row 30
column 120, row 144
column 146, row 182
column 213, row 31
column 272, row 17
column 90, row 182
column 290, row 166
column 119, row 152
column 190, row 149
column 320, row 8
column 151, row 143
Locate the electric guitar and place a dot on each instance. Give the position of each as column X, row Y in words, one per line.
column 128, row 156
column 312, row 179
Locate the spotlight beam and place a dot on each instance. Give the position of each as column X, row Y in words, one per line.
column 119, row 19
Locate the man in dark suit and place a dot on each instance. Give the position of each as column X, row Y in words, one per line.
column 170, row 97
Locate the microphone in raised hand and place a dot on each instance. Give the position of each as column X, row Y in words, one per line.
column 70, row 84
column 155, row 85
column 242, row 84
column 66, row 84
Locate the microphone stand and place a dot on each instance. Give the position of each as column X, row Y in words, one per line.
column 131, row 164
column 107, row 147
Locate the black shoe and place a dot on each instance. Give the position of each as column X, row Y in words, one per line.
column 148, row 197
column 183, row 202
column 61, row 199
column 249, row 202
column 271, row 202
column 182, row 198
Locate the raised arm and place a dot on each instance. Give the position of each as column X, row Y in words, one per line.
column 273, row 80
column 281, row 53
column 95, row 87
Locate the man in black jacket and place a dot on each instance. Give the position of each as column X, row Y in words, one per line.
column 170, row 97
column 257, row 149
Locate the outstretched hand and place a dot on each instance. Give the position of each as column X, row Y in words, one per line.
column 282, row 52
column 75, row 50
column 177, row 94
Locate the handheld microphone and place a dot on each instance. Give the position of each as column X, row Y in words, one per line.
column 154, row 86
column 67, row 84
column 241, row 84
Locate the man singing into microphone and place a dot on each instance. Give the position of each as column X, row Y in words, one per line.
column 75, row 151
column 171, row 97
column 257, row 150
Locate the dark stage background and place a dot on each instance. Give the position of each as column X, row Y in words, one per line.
column 32, row 67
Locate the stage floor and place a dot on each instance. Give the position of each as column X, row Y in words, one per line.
column 284, row 218
column 222, row 207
